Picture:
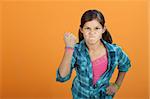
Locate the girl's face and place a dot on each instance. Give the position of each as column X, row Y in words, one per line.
column 92, row 31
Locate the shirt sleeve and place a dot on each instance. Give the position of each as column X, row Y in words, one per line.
column 67, row 77
column 124, row 62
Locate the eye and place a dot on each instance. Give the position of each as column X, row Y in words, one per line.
column 97, row 28
column 87, row 28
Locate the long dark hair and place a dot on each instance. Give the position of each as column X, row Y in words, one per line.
column 90, row 15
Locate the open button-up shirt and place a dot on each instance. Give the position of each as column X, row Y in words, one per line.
column 82, row 86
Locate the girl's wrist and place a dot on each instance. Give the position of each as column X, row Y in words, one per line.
column 69, row 48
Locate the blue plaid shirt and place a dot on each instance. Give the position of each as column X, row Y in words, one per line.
column 82, row 86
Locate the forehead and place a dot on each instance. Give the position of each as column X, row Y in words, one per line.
column 92, row 23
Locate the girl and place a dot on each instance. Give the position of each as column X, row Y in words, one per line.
column 94, row 59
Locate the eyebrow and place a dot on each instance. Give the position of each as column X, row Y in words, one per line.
column 96, row 26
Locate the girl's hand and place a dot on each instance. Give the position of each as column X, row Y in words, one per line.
column 111, row 89
column 70, row 39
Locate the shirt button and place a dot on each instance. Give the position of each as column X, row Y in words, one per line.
column 95, row 86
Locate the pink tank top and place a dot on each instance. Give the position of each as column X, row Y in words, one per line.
column 99, row 66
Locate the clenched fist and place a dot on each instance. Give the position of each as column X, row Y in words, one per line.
column 70, row 39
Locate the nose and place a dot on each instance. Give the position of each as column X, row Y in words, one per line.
column 92, row 32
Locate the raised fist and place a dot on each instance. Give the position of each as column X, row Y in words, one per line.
column 70, row 39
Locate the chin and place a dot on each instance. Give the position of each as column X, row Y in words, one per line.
column 91, row 42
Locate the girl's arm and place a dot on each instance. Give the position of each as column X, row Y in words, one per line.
column 120, row 78
column 67, row 63
column 64, row 67
column 123, row 66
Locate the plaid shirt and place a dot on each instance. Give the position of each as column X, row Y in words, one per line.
column 82, row 86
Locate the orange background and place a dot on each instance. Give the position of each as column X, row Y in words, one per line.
column 32, row 46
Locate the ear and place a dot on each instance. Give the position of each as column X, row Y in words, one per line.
column 104, row 29
column 81, row 30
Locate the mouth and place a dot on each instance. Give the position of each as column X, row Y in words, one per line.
column 92, row 38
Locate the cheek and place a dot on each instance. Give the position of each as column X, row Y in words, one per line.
column 85, row 35
column 99, row 35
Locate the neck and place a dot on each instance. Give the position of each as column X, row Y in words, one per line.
column 94, row 47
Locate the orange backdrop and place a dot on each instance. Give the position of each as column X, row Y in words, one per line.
column 32, row 46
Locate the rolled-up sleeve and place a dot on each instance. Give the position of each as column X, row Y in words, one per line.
column 124, row 62
column 67, row 77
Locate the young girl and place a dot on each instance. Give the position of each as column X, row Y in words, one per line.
column 94, row 59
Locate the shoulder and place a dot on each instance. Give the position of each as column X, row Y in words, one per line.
column 118, row 47
column 112, row 46
column 120, row 50
column 76, row 49
column 78, row 46
column 115, row 47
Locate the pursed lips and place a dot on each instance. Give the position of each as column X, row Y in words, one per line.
column 91, row 37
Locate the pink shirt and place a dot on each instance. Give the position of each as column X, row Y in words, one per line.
column 99, row 66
